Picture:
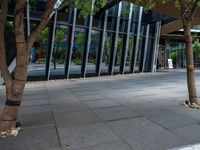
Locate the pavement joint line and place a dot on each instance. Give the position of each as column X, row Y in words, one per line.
column 145, row 95
column 54, row 120
column 123, row 119
column 158, row 124
column 38, row 126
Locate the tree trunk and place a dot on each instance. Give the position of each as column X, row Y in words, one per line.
column 11, row 109
column 15, row 91
column 15, row 87
column 189, row 61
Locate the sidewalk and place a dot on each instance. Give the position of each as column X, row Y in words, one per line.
column 130, row 112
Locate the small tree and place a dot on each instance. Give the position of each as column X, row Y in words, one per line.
column 15, row 84
column 187, row 12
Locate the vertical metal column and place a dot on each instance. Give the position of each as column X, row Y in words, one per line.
column 28, row 17
column 87, row 47
column 70, row 45
column 102, row 44
column 125, row 51
column 51, row 44
column 115, row 40
column 145, row 48
column 137, row 40
column 165, row 55
column 156, row 46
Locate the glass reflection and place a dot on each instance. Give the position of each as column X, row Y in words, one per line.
column 59, row 50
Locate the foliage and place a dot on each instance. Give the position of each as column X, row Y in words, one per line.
column 43, row 38
column 149, row 4
column 125, row 8
column 86, row 7
column 93, row 61
column 41, row 60
column 80, row 42
column 60, row 39
column 77, row 61
column 196, row 49
column 196, row 46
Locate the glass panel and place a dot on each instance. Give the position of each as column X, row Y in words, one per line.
column 125, row 10
column 143, row 30
column 77, row 52
column 38, row 54
column 135, row 15
column 92, row 56
column 80, row 20
column 59, row 51
column 112, row 11
column 129, row 53
column 139, row 54
column 120, row 41
column 111, row 23
column 152, row 30
column 97, row 21
column 106, row 52
column 177, row 54
column 149, row 55
column 133, row 28
column 123, row 25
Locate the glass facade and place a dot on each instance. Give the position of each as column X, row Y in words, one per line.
column 73, row 46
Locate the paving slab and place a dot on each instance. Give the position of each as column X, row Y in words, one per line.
column 77, row 137
column 91, row 97
column 40, row 138
column 156, row 141
column 68, row 107
column 35, row 109
column 134, row 127
column 35, row 97
column 72, row 119
column 174, row 120
column 36, row 119
column 118, row 145
column 114, row 113
column 190, row 134
column 101, row 104
column 129, row 112
column 35, row 102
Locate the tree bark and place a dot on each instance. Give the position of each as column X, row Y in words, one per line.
column 187, row 16
column 15, row 86
column 190, row 64
column 15, row 91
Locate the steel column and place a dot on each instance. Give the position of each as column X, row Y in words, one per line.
column 145, row 48
column 137, row 41
column 102, row 44
column 87, row 47
column 28, row 17
column 51, row 44
column 156, row 46
column 125, row 51
column 70, row 45
column 115, row 40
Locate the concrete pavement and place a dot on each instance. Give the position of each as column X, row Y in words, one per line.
column 130, row 112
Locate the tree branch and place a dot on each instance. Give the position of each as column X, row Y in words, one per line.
column 183, row 6
column 194, row 8
column 3, row 63
column 21, row 45
column 48, row 10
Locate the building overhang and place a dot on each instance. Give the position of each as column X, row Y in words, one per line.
column 170, row 9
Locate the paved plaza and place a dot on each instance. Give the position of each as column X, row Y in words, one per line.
column 129, row 112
